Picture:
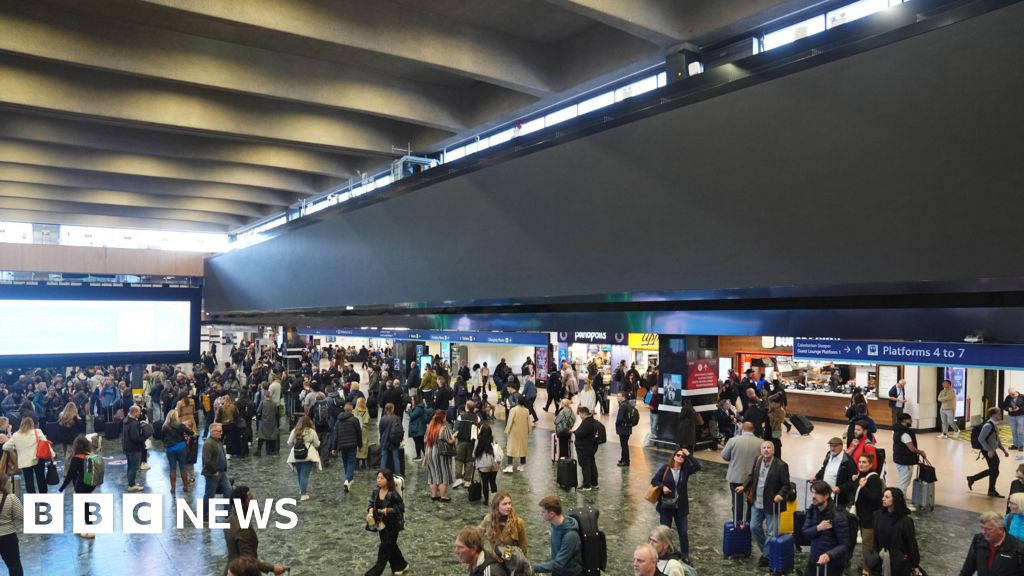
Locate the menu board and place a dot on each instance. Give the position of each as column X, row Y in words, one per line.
column 887, row 378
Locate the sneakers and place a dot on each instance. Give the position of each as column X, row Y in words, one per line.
column 304, row 497
column 994, row 494
column 943, row 436
column 910, row 507
column 144, row 466
column 457, row 483
column 507, row 470
column 403, row 571
column 584, row 489
column 347, row 484
column 136, row 488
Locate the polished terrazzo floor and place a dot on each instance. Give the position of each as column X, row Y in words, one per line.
column 330, row 538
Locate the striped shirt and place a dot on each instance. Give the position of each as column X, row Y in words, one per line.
column 10, row 515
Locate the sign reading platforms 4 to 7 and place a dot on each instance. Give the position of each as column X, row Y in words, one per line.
column 962, row 354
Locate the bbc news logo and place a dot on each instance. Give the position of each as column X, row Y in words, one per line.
column 144, row 513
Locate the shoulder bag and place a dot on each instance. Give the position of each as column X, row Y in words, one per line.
column 446, row 449
column 653, row 493
column 44, row 448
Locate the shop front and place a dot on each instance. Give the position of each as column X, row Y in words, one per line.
column 594, row 351
column 643, row 351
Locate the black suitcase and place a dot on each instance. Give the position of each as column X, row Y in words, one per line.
column 566, row 474
column 803, row 425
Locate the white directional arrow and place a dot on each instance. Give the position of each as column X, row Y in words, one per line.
column 858, row 349
column 847, row 349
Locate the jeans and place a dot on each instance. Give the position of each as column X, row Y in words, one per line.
column 654, row 425
column 588, row 463
column 682, row 525
column 392, row 455
column 176, row 461
column 762, row 533
column 302, row 470
column 35, row 478
column 11, row 554
column 905, row 474
column 624, row 448
column 348, row 456
column 388, row 553
column 134, row 461
column 1017, row 429
column 949, row 421
column 992, row 473
column 214, row 485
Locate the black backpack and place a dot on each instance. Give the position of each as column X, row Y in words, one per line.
column 396, row 434
column 976, row 436
column 594, row 550
column 600, row 434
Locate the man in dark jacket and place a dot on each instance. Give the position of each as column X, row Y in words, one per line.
column 554, row 388
column 134, row 442
column 215, row 468
column 828, row 530
column 348, row 438
column 391, row 435
column 243, row 541
column 837, row 469
column 753, row 412
column 586, row 448
column 465, row 464
column 994, row 552
column 393, row 395
column 768, row 486
column 623, row 427
column 566, row 546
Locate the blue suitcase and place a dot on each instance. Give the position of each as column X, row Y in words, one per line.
column 781, row 554
column 736, row 537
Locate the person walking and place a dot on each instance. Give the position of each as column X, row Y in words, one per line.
column 768, row 488
column 215, row 468
column 465, row 432
column 905, row 452
column 674, row 502
column 304, row 453
column 866, row 488
column 553, row 388
column 993, row 552
column 565, row 420
column 898, row 399
column 517, row 430
column 243, row 542
column 438, row 458
column 776, row 419
column 947, row 410
column 625, row 418
column 227, row 416
column 895, row 536
column 175, row 439
column 11, row 517
column 741, row 453
column 502, row 526
column 348, row 439
column 418, row 417
column 988, row 437
column 827, row 528
column 74, row 476
column 363, row 416
column 566, row 546
column 586, row 449
column 487, row 459
column 391, row 435
column 386, row 512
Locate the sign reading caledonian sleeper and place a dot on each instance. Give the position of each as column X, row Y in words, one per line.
column 995, row 356
column 510, row 338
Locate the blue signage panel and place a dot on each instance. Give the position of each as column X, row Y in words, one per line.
column 996, row 356
column 506, row 338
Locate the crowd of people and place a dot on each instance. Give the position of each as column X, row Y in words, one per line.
column 218, row 412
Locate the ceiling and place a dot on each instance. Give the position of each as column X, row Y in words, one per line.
column 208, row 116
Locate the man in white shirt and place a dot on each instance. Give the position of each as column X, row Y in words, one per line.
column 837, row 469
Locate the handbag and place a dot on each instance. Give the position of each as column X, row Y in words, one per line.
column 475, row 490
column 445, row 448
column 44, row 448
column 52, row 478
column 653, row 493
column 926, row 473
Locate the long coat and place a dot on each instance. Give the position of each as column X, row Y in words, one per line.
column 364, row 419
column 268, row 422
column 517, row 428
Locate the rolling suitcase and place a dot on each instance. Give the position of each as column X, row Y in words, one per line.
column 736, row 534
column 555, row 455
column 803, row 425
column 566, row 474
column 781, row 554
column 924, row 494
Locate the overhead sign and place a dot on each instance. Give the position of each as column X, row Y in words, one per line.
column 643, row 341
column 995, row 356
column 505, row 338
column 593, row 337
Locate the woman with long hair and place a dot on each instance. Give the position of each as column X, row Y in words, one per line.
column 75, row 474
column 304, row 453
column 363, row 415
column 67, row 425
column 502, row 526
column 386, row 512
column 588, row 397
column 487, row 460
column 867, row 488
column 674, row 502
column 565, row 420
column 11, row 517
column 439, row 466
column 895, row 535
column 24, row 442
column 176, row 436
column 186, row 408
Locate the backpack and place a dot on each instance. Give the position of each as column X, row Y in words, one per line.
column 976, row 436
column 396, row 433
column 92, row 469
column 594, row 550
column 632, row 416
column 320, row 414
column 600, row 433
